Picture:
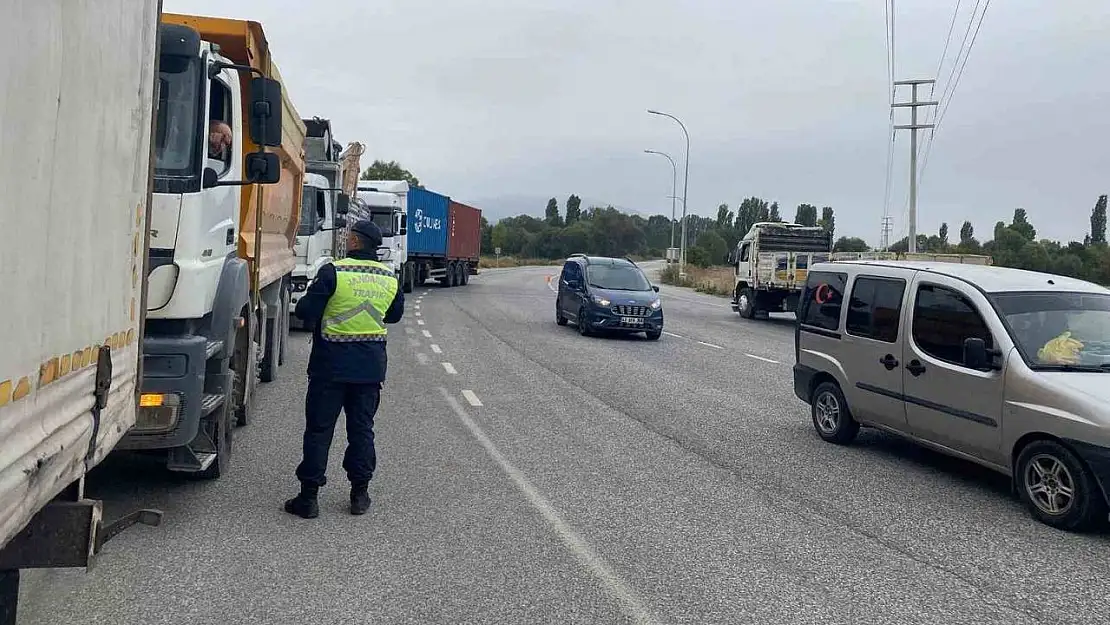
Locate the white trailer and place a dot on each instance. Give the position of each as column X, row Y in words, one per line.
column 75, row 130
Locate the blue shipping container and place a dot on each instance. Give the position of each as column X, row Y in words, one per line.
column 427, row 222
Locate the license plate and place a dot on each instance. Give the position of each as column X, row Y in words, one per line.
column 632, row 321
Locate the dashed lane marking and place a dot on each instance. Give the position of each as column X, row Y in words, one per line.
column 419, row 322
column 409, row 330
column 436, row 349
column 418, row 313
column 710, row 345
column 422, row 358
column 427, row 334
column 763, row 359
column 677, row 336
column 414, row 342
column 471, row 398
column 449, row 368
column 587, row 556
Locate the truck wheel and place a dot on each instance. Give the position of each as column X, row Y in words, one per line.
column 285, row 323
column 449, row 276
column 242, row 372
column 408, row 275
column 461, row 269
column 269, row 366
column 745, row 303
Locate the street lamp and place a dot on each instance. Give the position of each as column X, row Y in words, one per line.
column 685, row 188
column 674, row 187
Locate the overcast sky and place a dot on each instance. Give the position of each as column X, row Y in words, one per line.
column 505, row 102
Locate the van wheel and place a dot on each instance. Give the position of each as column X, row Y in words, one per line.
column 745, row 303
column 831, row 417
column 583, row 327
column 1057, row 488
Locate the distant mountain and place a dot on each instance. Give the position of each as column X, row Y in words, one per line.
column 502, row 206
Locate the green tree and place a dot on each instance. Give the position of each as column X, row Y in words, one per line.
column 1098, row 222
column 715, row 247
column 806, row 215
column 551, row 214
column 574, row 209
column 943, row 235
column 773, row 212
column 724, row 216
column 1021, row 225
column 487, row 236
column 850, row 244
column 381, row 170
column 828, row 220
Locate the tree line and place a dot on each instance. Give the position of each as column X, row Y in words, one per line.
column 607, row 231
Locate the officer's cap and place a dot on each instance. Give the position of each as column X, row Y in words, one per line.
column 369, row 232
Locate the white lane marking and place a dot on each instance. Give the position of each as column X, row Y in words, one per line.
column 427, row 334
column 436, row 349
column 471, row 398
column 449, row 368
column 418, row 306
column 419, row 322
column 422, row 357
column 418, row 313
column 409, row 330
column 587, row 556
column 710, row 345
column 763, row 359
column 677, row 336
column 414, row 342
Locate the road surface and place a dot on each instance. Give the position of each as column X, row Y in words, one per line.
column 530, row 475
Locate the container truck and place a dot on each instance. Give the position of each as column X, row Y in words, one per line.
column 75, row 137
column 322, row 208
column 223, row 221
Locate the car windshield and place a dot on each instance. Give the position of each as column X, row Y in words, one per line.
column 1066, row 331
column 617, row 278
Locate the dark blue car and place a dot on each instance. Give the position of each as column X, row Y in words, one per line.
column 602, row 294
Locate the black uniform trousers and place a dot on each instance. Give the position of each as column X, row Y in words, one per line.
column 323, row 402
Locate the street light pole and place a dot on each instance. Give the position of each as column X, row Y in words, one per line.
column 674, row 187
column 685, row 188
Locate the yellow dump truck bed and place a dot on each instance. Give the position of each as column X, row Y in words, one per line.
column 244, row 42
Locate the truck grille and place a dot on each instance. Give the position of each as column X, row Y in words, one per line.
column 630, row 311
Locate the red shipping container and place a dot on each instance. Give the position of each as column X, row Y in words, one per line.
column 464, row 234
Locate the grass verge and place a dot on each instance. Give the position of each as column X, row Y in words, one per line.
column 711, row 280
column 490, row 262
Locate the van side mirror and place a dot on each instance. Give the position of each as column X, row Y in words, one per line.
column 343, row 204
column 655, row 287
column 975, row 354
column 266, row 112
column 262, row 167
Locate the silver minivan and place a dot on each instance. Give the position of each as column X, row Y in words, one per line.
column 1004, row 367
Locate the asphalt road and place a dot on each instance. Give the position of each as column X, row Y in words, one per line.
column 530, row 475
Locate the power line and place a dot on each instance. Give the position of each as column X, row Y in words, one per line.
column 931, row 114
column 890, row 41
column 947, row 102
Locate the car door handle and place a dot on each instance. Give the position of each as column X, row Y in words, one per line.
column 889, row 361
column 915, row 367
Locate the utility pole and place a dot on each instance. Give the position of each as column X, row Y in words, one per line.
column 884, row 240
column 913, row 127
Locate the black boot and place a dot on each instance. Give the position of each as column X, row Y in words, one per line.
column 304, row 504
column 360, row 498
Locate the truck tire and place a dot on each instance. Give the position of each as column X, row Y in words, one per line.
column 462, row 273
column 267, row 369
column 242, row 371
column 449, row 276
column 286, row 298
column 745, row 303
column 408, row 275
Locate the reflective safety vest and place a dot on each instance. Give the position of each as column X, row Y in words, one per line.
column 364, row 289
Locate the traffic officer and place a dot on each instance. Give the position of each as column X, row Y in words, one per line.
column 347, row 305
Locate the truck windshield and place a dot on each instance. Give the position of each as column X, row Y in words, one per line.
column 310, row 216
column 1059, row 330
column 383, row 221
column 178, row 124
column 617, row 278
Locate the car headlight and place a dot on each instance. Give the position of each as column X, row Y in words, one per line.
column 601, row 301
column 656, row 305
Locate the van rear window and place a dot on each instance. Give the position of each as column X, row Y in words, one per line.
column 822, row 300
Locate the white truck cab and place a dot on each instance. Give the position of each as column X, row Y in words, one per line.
column 387, row 201
column 322, row 212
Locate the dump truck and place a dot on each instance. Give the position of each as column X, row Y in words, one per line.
column 75, row 206
column 770, row 265
column 228, row 176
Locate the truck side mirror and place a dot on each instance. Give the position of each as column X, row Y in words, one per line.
column 266, row 112
column 404, row 225
column 209, row 178
column 262, row 167
column 343, row 204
